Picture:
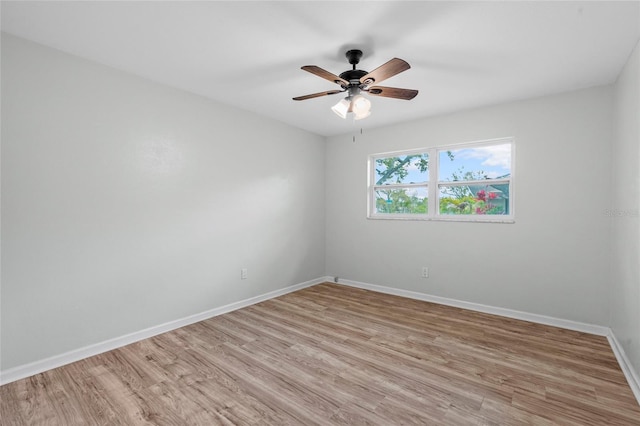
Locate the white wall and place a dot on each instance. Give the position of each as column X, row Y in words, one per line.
column 552, row 261
column 127, row 204
column 625, row 206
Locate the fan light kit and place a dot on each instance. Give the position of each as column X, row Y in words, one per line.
column 354, row 82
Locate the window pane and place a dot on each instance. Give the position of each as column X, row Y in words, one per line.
column 474, row 199
column 401, row 201
column 403, row 169
column 483, row 162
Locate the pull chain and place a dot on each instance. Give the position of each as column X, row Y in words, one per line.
column 354, row 136
column 354, row 130
column 353, row 127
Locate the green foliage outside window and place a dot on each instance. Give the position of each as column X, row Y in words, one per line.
column 400, row 201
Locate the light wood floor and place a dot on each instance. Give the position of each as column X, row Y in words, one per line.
column 329, row 355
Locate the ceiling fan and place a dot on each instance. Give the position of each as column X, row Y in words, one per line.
column 354, row 82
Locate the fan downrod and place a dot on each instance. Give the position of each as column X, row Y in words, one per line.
column 353, row 75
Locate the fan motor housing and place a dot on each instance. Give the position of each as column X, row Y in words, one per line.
column 353, row 75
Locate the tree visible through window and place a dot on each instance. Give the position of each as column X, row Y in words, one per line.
column 401, row 184
column 465, row 182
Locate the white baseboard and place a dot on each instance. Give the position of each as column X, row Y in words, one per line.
column 503, row 312
column 40, row 366
column 629, row 372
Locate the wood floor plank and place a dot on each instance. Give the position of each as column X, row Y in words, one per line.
column 336, row 355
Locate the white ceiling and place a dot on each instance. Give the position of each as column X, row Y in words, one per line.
column 249, row 54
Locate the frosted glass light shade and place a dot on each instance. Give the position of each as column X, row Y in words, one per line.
column 361, row 107
column 342, row 107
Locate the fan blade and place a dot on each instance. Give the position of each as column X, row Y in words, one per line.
column 325, row 74
column 317, row 95
column 384, row 71
column 392, row 92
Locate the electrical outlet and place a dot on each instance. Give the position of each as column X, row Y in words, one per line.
column 425, row 272
column 243, row 273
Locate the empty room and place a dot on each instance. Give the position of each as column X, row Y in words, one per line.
column 320, row 213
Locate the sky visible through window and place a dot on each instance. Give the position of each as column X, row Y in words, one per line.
column 494, row 161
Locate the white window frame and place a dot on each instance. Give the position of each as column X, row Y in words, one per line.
column 433, row 185
column 373, row 187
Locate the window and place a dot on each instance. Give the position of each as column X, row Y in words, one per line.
column 467, row 182
column 401, row 184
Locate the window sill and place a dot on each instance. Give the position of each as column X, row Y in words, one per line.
column 417, row 218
